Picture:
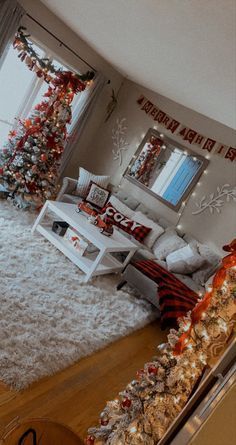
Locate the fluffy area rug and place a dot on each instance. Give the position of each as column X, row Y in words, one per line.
column 49, row 318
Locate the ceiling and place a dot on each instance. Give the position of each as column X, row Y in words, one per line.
column 182, row 49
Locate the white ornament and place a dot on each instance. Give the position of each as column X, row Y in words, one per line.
column 215, row 200
column 119, row 140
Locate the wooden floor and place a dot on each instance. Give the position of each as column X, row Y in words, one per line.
column 77, row 395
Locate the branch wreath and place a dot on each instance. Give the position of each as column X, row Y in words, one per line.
column 215, row 199
column 119, row 140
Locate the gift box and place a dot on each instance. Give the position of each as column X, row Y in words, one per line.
column 76, row 240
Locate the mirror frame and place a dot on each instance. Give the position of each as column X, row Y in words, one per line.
column 173, row 144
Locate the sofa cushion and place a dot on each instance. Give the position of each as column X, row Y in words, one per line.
column 147, row 212
column 167, row 243
column 128, row 200
column 97, row 195
column 185, row 260
column 143, row 254
column 121, row 207
column 154, row 233
column 71, row 199
column 186, row 279
column 137, row 230
column 84, row 181
column 212, row 262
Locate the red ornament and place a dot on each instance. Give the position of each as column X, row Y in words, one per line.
column 43, row 157
column 126, row 402
column 152, row 369
column 90, row 440
column 27, row 123
column 230, row 247
column 1, row 171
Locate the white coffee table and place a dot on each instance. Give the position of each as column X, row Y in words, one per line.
column 98, row 263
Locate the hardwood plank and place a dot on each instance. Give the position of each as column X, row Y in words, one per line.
column 76, row 395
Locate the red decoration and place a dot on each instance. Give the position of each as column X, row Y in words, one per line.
column 43, row 157
column 126, row 403
column 152, row 369
column 90, row 440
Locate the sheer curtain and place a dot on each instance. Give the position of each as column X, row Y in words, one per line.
column 10, row 16
column 81, row 114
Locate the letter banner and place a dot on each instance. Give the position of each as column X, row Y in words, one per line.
column 187, row 134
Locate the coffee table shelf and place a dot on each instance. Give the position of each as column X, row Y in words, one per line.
column 97, row 263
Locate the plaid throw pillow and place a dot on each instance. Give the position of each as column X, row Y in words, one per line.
column 135, row 229
column 97, row 195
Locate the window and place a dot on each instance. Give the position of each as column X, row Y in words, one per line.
column 21, row 90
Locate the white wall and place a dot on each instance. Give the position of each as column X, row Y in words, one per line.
column 216, row 229
column 50, row 21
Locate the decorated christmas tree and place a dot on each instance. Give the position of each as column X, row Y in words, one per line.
column 30, row 159
column 149, row 404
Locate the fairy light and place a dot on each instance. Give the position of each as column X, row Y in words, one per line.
column 161, row 135
column 133, row 429
column 186, row 327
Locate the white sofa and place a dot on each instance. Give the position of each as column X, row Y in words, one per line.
column 131, row 275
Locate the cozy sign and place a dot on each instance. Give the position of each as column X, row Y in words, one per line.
column 187, row 134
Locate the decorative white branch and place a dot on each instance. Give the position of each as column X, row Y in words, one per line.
column 215, row 200
column 119, row 140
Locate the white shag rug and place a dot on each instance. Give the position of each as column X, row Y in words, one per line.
column 49, row 318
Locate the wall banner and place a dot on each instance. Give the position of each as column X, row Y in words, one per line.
column 187, row 134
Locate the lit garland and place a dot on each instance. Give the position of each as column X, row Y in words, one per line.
column 41, row 66
column 149, row 404
column 29, row 161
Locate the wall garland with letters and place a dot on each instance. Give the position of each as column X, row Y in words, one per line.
column 187, row 134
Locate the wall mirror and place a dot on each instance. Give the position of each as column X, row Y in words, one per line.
column 165, row 169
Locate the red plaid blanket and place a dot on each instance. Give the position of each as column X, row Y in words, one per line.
column 175, row 298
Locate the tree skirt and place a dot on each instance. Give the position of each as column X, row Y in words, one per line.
column 49, row 317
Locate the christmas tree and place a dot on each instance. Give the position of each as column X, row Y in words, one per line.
column 150, row 403
column 30, row 159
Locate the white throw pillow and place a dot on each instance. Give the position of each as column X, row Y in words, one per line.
column 186, row 279
column 156, row 231
column 167, row 243
column 185, row 260
column 84, row 181
column 212, row 261
column 121, row 207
